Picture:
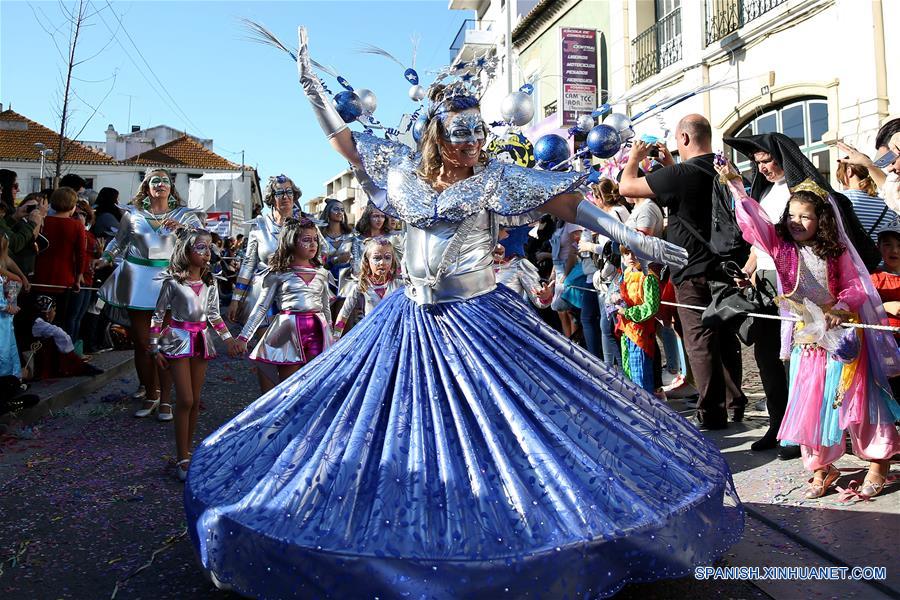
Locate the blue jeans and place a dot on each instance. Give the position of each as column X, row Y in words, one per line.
column 673, row 350
column 78, row 306
column 590, row 319
column 612, row 353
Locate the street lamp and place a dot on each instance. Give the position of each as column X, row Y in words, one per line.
column 43, row 151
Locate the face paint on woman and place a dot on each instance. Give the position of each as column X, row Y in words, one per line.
column 465, row 127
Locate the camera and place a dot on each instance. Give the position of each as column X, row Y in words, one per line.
column 31, row 208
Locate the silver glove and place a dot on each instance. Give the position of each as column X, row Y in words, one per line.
column 645, row 247
column 329, row 119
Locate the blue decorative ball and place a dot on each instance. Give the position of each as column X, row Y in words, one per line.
column 603, row 141
column 551, row 149
column 418, row 128
column 348, row 105
column 411, row 76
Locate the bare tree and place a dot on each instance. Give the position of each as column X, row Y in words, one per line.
column 77, row 19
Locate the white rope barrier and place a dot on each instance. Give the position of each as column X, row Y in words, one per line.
column 763, row 316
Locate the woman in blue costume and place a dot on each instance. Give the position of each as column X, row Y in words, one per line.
column 452, row 445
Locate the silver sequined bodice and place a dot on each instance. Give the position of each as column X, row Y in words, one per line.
column 469, row 275
column 812, row 278
column 497, row 194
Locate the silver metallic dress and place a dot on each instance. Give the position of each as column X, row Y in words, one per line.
column 452, row 445
column 142, row 252
column 521, row 276
column 262, row 241
column 190, row 311
column 281, row 344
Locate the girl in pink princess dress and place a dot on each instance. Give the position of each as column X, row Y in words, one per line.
column 838, row 381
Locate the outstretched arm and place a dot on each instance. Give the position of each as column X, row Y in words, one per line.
column 755, row 225
column 572, row 208
column 329, row 120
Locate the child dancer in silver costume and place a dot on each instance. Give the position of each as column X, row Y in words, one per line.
column 298, row 287
column 282, row 197
column 378, row 277
column 182, row 348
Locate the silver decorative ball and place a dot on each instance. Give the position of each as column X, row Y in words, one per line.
column 617, row 121
column 517, row 108
column 584, row 123
column 368, row 99
column 416, row 93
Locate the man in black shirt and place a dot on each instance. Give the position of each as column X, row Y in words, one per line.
column 686, row 190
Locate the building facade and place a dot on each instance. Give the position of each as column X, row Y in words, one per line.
column 815, row 70
column 22, row 142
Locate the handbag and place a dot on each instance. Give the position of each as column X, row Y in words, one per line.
column 731, row 304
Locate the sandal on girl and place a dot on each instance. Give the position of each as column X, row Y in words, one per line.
column 871, row 487
column 817, row 490
column 146, row 412
column 164, row 416
column 180, row 470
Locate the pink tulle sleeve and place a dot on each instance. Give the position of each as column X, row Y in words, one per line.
column 850, row 289
column 757, row 229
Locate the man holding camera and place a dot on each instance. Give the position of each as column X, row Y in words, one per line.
column 686, row 190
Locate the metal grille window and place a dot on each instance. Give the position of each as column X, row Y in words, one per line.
column 725, row 16
column 804, row 121
column 658, row 46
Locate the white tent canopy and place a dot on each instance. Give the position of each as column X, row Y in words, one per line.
column 222, row 192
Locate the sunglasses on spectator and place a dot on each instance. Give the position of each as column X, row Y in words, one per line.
column 280, row 193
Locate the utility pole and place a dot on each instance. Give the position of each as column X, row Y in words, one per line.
column 242, row 165
column 128, row 124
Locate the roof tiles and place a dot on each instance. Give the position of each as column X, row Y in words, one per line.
column 17, row 142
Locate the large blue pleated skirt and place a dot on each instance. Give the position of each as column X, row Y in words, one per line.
column 463, row 450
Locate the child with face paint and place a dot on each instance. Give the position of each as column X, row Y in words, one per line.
column 838, row 377
column 183, row 346
column 298, row 287
column 378, row 278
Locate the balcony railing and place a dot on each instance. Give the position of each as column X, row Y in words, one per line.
column 657, row 47
column 726, row 16
column 463, row 37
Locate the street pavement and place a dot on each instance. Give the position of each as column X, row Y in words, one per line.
column 90, row 508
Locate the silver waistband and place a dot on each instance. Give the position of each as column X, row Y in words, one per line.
column 452, row 288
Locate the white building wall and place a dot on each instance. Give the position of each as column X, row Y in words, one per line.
column 827, row 49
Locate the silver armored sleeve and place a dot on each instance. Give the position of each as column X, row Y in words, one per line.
column 329, row 119
column 645, row 247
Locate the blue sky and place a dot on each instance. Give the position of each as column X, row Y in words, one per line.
column 242, row 95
